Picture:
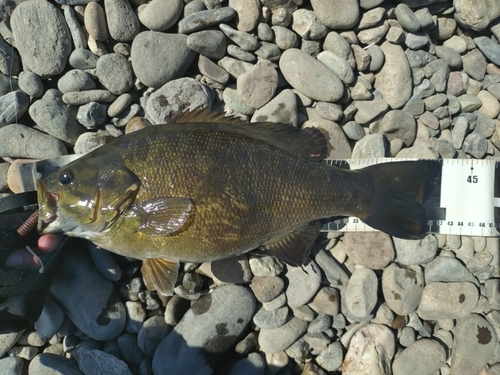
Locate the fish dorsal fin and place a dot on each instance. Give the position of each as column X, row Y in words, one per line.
column 309, row 143
column 162, row 215
column 160, row 275
column 205, row 115
column 295, row 247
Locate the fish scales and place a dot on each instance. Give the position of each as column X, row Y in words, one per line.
column 244, row 190
column 208, row 187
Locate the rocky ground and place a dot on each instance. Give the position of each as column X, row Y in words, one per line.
column 380, row 78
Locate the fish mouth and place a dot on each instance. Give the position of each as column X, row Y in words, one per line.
column 48, row 208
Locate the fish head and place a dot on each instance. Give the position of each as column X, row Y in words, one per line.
column 84, row 199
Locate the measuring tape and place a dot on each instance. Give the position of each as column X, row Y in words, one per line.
column 465, row 201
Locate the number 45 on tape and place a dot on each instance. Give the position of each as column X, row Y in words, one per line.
column 466, row 200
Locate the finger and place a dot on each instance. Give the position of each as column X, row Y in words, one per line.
column 22, row 259
column 49, row 242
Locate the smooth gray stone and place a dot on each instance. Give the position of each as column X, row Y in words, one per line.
column 245, row 40
column 131, row 352
column 7, row 340
column 115, row 73
column 370, row 146
column 285, row 38
column 209, row 43
column 310, row 77
column 180, row 93
column 75, row 80
column 303, row 283
column 87, row 96
column 123, row 24
column 394, row 80
column 92, row 115
column 97, row 362
column 489, row 49
column 281, row 109
column 83, row 59
column 206, row 18
column 11, row 366
column 75, row 29
column 210, row 327
column 172, row 50
column 153, row 331
column 410, row 359
column 474, row 343
column 42, row 37
column 100, row 315
column 31, row 84
column 13, row 106
column 407, row 18
column 254, row 364
column 50, row 320
column 10, row 62
column 275, row 340
column 21, row 141
column 57, row 119
column 265, row 319
column 449, row 55
column 240, row 54
column 52, row 364
column 474, row 64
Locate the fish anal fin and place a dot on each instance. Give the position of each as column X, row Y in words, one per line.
column 163, row 215
column 295, row 247
column 160, row 275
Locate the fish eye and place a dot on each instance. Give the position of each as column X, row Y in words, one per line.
column 66, row 178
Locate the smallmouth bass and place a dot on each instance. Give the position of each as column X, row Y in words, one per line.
column 206, row 187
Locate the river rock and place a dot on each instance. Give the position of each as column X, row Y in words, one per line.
column 394, row 80
column 211, row 325
column 161, row 15
column 475, row 341
column 176, row 96
column 410, row 359
column 20, row 141
column 314, row 80
column 402, row 288
column 370, row 351
column 42, row 37
column 100, row 315
column 447, row 300
column 149, row 47
column 115, row 73
column 336, row 14
column 57, row 118
column 123, row 24
column 257, row 85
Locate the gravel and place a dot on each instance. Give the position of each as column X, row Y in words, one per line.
column 414, row 79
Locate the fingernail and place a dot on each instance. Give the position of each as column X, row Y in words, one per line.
column 14, row 260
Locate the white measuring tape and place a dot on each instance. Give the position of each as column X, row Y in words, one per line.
column 466, row 200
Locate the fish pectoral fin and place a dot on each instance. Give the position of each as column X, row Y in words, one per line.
column 163, row 215
column 160, row 275
column 295, row 247
column 118, row 189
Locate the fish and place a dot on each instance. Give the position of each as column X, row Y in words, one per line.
column 208, row 186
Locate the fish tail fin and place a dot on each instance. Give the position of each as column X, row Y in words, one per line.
column 400, row 189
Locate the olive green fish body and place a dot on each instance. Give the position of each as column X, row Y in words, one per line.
column 209, row 187
column 245, row 191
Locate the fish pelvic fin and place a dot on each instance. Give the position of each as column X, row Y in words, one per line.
column 400, row 189
column 295, row 247
column 160, row 275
